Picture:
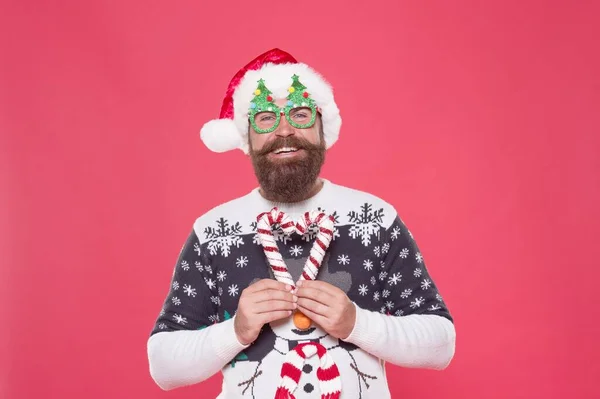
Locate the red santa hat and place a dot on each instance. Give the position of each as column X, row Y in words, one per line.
column 276, row 68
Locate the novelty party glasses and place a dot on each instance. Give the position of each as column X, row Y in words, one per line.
column 265, row 116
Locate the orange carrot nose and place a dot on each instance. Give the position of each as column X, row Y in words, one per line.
column 301, row 321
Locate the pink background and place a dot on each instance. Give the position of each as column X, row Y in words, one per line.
column 477, row 120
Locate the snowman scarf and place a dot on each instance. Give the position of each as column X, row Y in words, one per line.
column 328, row 373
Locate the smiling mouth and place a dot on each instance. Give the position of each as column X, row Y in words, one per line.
column 285, row 150
column 305, row 332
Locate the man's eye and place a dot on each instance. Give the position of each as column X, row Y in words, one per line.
column 266, row 118
column 300, row 115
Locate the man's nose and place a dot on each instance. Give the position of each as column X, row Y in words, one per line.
column 284, row 129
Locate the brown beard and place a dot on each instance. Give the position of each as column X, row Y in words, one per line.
column 288, row 180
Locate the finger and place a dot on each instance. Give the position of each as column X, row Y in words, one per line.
column 317, row 318
column 266, row 284
column 314, row 306
column 319, row 285
column 315, row 294
column 272, row 295
column 272, row 316
column 270, row 306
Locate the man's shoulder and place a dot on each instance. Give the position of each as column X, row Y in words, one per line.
column 231, row 217
column 356, row 203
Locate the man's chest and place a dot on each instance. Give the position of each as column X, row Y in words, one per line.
column 345, row 265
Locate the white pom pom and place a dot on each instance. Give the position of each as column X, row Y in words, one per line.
column 221, row 135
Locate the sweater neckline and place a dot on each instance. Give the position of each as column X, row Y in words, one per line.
column 295, row 209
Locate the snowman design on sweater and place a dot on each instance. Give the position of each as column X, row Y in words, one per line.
column 284, row 336
column 373, row 258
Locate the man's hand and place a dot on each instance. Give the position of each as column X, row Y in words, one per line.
column 261, row 303
column 328, row 306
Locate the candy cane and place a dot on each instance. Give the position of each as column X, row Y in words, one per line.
column 265, row 223
column 322, row 241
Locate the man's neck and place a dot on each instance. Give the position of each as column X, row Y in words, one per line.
column 316, row 187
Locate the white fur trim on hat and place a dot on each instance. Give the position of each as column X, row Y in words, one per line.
column 221, row 135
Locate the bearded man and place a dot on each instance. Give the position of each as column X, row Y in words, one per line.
column 301, row 288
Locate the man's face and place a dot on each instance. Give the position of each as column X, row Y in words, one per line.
column 288, row 160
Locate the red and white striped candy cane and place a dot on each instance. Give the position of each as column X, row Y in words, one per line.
column 265, row 223
column 324, row 237
column 328, row 374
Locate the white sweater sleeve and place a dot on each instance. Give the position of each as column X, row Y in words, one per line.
column 186, row 357
column 414, row 341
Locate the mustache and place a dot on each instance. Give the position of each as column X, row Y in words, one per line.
column 291, row 141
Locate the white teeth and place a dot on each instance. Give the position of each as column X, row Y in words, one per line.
column 285, row 149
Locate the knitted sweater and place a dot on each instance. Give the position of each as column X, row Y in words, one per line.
column 401, row 317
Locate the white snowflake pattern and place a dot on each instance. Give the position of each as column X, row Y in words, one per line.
column 179, row 319
column 199, row 266
column 175, row 285
column 224, row 244
column 366, row 223
column 406, row 293
column 208, row 269
column 395, row 233
column 419, row 257
column 223, row 237
column 368, row 264
column 162, row 312
column 438, row 297
column 435, row 307
column 241, row 261
column 197, row 248
column 189, row 290
column 377, row 251
column 376, row 296
column 365, row 231
column 221, row 275
column 233, row 290
column 214, row 318
column 394, row 279
column 385, row 293
column 185, row 265
column 399, row 312
column 382, row 310
column 373, row 280
column 417, row 302
column 385, row 248
column 418, row 272
column 216, row 300
column 389, row 305
column 176, row 301
column 162, row 326
column 210, row 283
column 404, row 253
column 220, row 290
column 426, row 284
column 363, row 289
column 343, row 259
column 256, row 239
column 382, row 276
column 296, row 250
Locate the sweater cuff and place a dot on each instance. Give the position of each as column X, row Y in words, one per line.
column 225, row 342
column 360, row 335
